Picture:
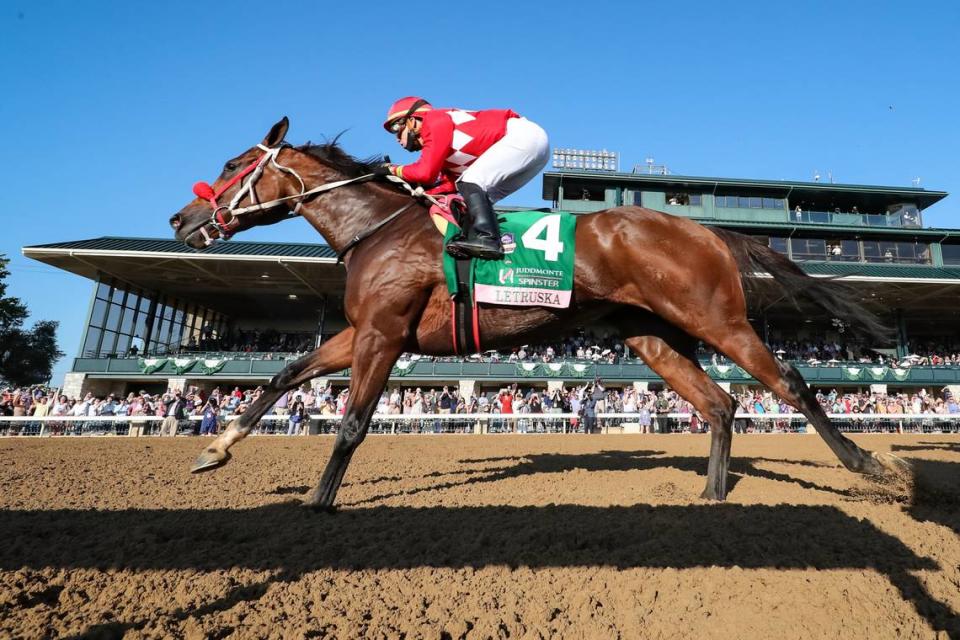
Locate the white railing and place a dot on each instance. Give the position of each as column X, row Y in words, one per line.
column 488, row 423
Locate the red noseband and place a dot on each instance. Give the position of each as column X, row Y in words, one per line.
column 204, row 191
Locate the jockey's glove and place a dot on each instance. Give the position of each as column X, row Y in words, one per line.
column 382, row 170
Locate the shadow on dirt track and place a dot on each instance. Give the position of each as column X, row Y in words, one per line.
column 507, row 467
column 291, row 540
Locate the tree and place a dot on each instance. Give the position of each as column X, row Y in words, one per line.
column 26, row 357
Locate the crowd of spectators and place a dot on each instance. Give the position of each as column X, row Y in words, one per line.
column 251, row 341
column 585, row 400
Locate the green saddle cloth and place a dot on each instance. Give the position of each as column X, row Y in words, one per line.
column 537, row 266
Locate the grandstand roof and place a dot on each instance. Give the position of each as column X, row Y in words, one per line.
column 868, row 195
column 168, row 247
column 232, row 277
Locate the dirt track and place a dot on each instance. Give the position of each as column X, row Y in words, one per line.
column 475, row 536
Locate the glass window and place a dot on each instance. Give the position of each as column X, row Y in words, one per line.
column 96, row 315
column 888, row 251
column 132, row 299
column 160, row 332
column 696, row 200
column 779, row 245
column 907, row 250
column 756, row 203
column 808, row 249
column 91, row 343
column 123, row 344
column 770, row 203
column 140, row 326
column 117, row 296
column 176, row 334
column 113, row 317
column 107, row 346
column 126, row 324
column 178, row 316
column 103, row 291
column 951, row 253
column 850, row 250
column 167, row 312
column 144, row 304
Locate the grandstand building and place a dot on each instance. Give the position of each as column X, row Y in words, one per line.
column 162, row 314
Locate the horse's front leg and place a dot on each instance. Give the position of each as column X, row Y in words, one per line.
column 374, row 354
column 333, row 355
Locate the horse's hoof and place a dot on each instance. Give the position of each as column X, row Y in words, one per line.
column 712, row 496
column 893, row 465
column 210, row 459
column 320, row 508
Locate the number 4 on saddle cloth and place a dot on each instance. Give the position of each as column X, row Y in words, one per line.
column 536, row 269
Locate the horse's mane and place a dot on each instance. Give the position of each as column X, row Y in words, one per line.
column 333, row 155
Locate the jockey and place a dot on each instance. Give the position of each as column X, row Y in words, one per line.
column 485, row 155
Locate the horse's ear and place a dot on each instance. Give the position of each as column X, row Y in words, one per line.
column 277, row 133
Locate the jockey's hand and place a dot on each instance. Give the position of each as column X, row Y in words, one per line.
column 382, row 170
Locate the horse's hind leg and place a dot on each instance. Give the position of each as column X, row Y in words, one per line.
column 672, row 354
column 742, row 345
column 333, row 355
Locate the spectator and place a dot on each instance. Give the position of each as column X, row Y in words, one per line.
column 175, row 410
column 296, row 420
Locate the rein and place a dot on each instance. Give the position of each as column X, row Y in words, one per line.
column 224, row 217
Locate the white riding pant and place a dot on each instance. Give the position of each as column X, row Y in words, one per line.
column 512, row 161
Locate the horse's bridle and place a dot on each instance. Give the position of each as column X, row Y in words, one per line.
column 224, row 219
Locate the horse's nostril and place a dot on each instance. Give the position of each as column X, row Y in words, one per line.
column 176, row 221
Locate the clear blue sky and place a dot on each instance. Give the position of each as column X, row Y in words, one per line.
column 111, row 111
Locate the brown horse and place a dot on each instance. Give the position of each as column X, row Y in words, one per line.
column 663, row 281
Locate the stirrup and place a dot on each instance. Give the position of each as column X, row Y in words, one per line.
column 457, row 252
column 475, row 249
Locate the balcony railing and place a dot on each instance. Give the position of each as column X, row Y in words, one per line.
column 629, row 370
column 856, row 219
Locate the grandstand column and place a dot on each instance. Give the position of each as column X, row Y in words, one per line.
column 467, row 389
column 902, row 348
column 321, row 321
column 73, row 384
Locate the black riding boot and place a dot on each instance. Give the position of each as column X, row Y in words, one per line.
column 482, row 238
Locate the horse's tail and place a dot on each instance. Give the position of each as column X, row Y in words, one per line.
column 837, row 298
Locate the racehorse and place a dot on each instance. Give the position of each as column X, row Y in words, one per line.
column 663, row 282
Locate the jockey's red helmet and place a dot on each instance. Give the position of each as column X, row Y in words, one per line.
column 401, row 109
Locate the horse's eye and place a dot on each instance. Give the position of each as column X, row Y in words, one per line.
column 230, row 166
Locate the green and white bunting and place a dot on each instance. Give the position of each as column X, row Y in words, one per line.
column 402, row 367
column 149, row 365
column 182, row 365
column 210, row 367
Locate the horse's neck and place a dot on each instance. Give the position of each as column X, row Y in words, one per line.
column 342, row 214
